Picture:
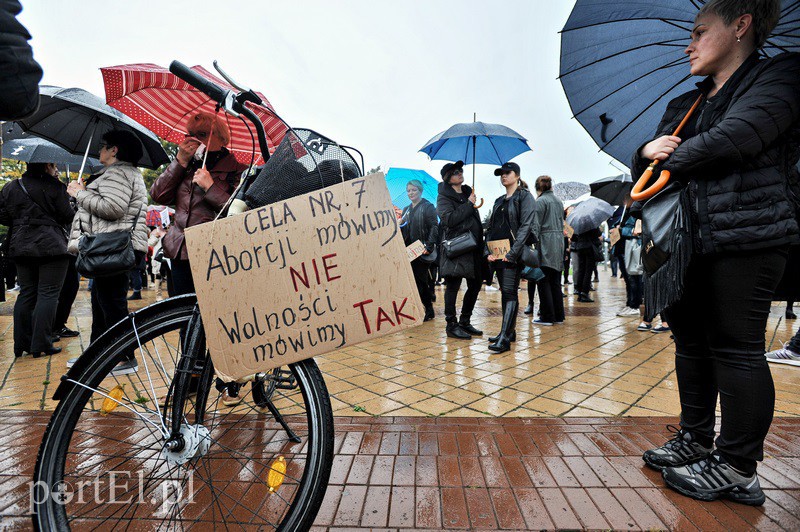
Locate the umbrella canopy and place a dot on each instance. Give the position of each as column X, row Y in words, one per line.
column 76, row 119
column 622, row 62
column 476, row 143
column 612, row 189
column 570, row 190
column 162, row 102
column 36, row 150
column 589, row 214
column 398, row 178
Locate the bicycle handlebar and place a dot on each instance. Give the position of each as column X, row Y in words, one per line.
column 206, row 86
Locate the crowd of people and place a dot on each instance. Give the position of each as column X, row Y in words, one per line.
column 47, row 220
column 735, row 157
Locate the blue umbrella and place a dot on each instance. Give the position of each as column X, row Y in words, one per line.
column 476, row 143
column 398, row 178
column 623, row 61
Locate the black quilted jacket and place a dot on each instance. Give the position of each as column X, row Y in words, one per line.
column 740, row 160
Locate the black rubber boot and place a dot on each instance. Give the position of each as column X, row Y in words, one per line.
column 454, row 330
column 513, row 338
column 509, row 325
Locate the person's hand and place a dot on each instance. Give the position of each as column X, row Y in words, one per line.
column 472, row 198
column 202, row 179
column 426, row 252
column 491, row 258
column 505, row 259
column 186, row 150
column 74, row 187
column 661, row 148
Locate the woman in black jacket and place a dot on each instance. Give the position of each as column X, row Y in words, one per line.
column 36, row 207
column 737, row 156
column 512, row 220
column 456, row 209
column 583, row 246
column 419, row 223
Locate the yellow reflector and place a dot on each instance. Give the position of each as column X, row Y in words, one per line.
column 277, row 471
column 111, row 402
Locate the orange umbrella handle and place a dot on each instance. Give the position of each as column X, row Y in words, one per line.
column 639, row 193
column 479, row 204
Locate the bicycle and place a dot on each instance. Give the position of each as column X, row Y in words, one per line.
column 156, row 448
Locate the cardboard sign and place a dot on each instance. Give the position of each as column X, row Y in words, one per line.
column 614, row 236
column 302, row 277
column 499, row 248
column 414, row 250
column 568, row 230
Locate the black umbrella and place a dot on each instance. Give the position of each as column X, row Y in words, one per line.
column 76, row 120
column 623, row 61
column 612, row 189
column 37, row 150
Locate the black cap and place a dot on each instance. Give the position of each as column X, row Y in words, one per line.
column 506, row 168
column 448, row 169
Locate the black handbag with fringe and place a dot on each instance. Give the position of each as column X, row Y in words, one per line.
column 666, row 246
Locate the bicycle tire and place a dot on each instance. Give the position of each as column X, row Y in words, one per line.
column 65, row 443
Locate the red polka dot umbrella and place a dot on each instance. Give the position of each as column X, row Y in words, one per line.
column 162, row 103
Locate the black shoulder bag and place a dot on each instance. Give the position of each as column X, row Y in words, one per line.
column 106, row 254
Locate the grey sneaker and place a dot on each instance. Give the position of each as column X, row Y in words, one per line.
column 124, row 368
column 784, row 355
column 682, row 449
column 712, row 478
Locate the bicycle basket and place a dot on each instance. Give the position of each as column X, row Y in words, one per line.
column 305, row 161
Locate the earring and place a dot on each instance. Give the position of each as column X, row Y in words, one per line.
column 738, row 39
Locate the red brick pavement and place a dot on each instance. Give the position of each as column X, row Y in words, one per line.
column 498, row 473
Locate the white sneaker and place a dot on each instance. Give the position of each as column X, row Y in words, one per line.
column 783, row 356
column 628, row 311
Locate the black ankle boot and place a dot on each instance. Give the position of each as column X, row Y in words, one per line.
column 509, row 322
column 513, row 338
column 429, row 314
column 454, row 330
column 467, row 327
column 528, row 309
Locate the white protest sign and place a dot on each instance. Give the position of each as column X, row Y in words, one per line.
column 302, row 277
column 414, row 250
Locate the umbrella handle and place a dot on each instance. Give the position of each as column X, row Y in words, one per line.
column 639, row 193
column 479, row 204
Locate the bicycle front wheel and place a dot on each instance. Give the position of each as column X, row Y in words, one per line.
column 104, row 461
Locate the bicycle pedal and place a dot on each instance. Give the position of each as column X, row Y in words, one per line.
column 284, row 379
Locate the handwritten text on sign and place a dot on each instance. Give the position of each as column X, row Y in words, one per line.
column 302, row 277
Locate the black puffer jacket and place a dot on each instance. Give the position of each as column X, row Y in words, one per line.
column 19, row 73
column 520, row 219
column 36, row 230
column 458, row 216
column 421, row 225
column 742, row 157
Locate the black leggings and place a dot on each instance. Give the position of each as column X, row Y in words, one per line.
column 719, row 327
column 508, row 278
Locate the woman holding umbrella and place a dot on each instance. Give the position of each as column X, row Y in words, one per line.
column 456, row 209
column 199, row 185
column 737, row 156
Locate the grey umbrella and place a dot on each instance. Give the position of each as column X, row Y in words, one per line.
column 570, row 190
column 589, row 214
column 76, row 120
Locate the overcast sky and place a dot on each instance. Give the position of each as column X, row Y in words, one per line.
column 382, row 76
